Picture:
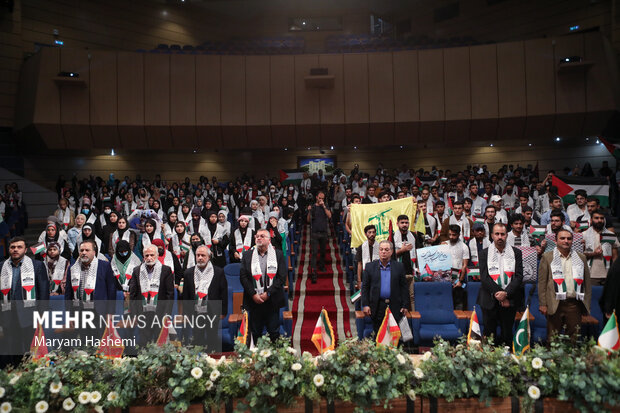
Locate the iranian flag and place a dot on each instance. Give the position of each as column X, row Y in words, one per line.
column 242, row 335
column 111, row 344
column 609, row 338
column 291, row 176
column 613, row 148
column 167, row 331
column 323, row 335
column 38, row 346
column 389, row 332
column 596, row 187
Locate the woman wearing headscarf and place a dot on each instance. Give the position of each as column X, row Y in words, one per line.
column 219, row 241
column 272, row 227
column 157, row 208
column 108, row 230
column 104, row 220
column 168, row 227
column 180, row 241
column 74, row 233
column 123, row 262
column 88, row 232
column 151, row 233
column 52, row 235
column 56, row 266
column 121, row 233
column 223, row 224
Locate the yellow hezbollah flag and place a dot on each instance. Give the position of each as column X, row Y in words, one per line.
column 380, row 215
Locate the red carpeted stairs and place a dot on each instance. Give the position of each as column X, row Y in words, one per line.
column 329, row 292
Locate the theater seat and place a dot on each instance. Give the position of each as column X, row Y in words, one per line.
column 363, row 325
column 433, row 301
column 538, row 327
column 596, row 312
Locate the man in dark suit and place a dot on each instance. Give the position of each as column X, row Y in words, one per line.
column 501, row 290
column 384, row 284
column 19, row 300
column 263, row 280
column 159, row 281
column 105, row 285
column 205, row 285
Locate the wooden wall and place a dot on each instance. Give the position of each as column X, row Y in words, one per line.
column 175, row 166
column 444, row 96
column 10, row 62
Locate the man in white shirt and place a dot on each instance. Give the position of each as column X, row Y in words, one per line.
column 578, row 209
column 460, row 257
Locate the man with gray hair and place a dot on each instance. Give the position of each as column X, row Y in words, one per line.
column 384, row 285
column 151, row 291
column 205, row 288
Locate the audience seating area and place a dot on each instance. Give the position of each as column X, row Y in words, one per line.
column 355, row 43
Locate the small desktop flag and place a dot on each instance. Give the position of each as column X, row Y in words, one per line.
column 521, row 341
column 389, row 332
column 609, row 338
column 38, row 346
column 242, row 335
column 323, row 335
column 167, row 331
column 356, row 296
column 111, row 345
column 474, row 335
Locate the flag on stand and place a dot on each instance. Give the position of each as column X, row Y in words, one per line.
column 167, row 331
column 38, row 248
column 596, row 187
column 609, row 338
column 111, row 345
column 291, row 176
column 474, row 335
column 38, row 346
column 323, row 335
column 389, row 332
column 242, row 335
column 521, row 341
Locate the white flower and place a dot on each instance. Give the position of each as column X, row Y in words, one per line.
column 253, row 349
column 221, row 360
column 214, row 375
column 328, row 354
column 306, row 355
column 296, row 367
column 68, row 404
column 211, row 361
column 14, row 379
column 418, row 373
column 291, row 350
column 99, row 409
column 55, row 387
column 2, row 391
column 537, row 363
column 401, row 359
column 84, row 397
column 265, row 353
column 318, row 380
column 533, row 392
column 411, row 394
column 41, row 407
column 112, row 396
column 209, row 385
column 427, row 356
column 6, row 407
column 95, row 397
column 196, row 373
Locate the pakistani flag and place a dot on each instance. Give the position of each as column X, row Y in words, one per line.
column 609, row 338
column 291, row 176
column 596, row 187
column 521, row 342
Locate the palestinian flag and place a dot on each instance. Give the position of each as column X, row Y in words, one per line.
column 110, row 335
column 613, row 148
column 474, row 335
column 242, row 335
column 185, row 246
column 450, row 206
column 356, row 296
column 38, row 248
column 583, row 225
column 609, row 338
column 167, row 331
column 323, row 336
column 479, row 219
column 609, row 238
column 521, row 341
column 538, row 231
column 420, row 181
column 428, row 270
column 473, row 272
column 596, row 187
column 389, row 332
column 38, row 346
column 291, row 176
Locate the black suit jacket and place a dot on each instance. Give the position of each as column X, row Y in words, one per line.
column 218, row 290
column 488, row 287
column 23, row 315
column 165, row 297
column 277, row 298
column 371, row 288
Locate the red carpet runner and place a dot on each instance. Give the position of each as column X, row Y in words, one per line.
column 329, row 292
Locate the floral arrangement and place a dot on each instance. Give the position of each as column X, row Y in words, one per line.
column 274, row 374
